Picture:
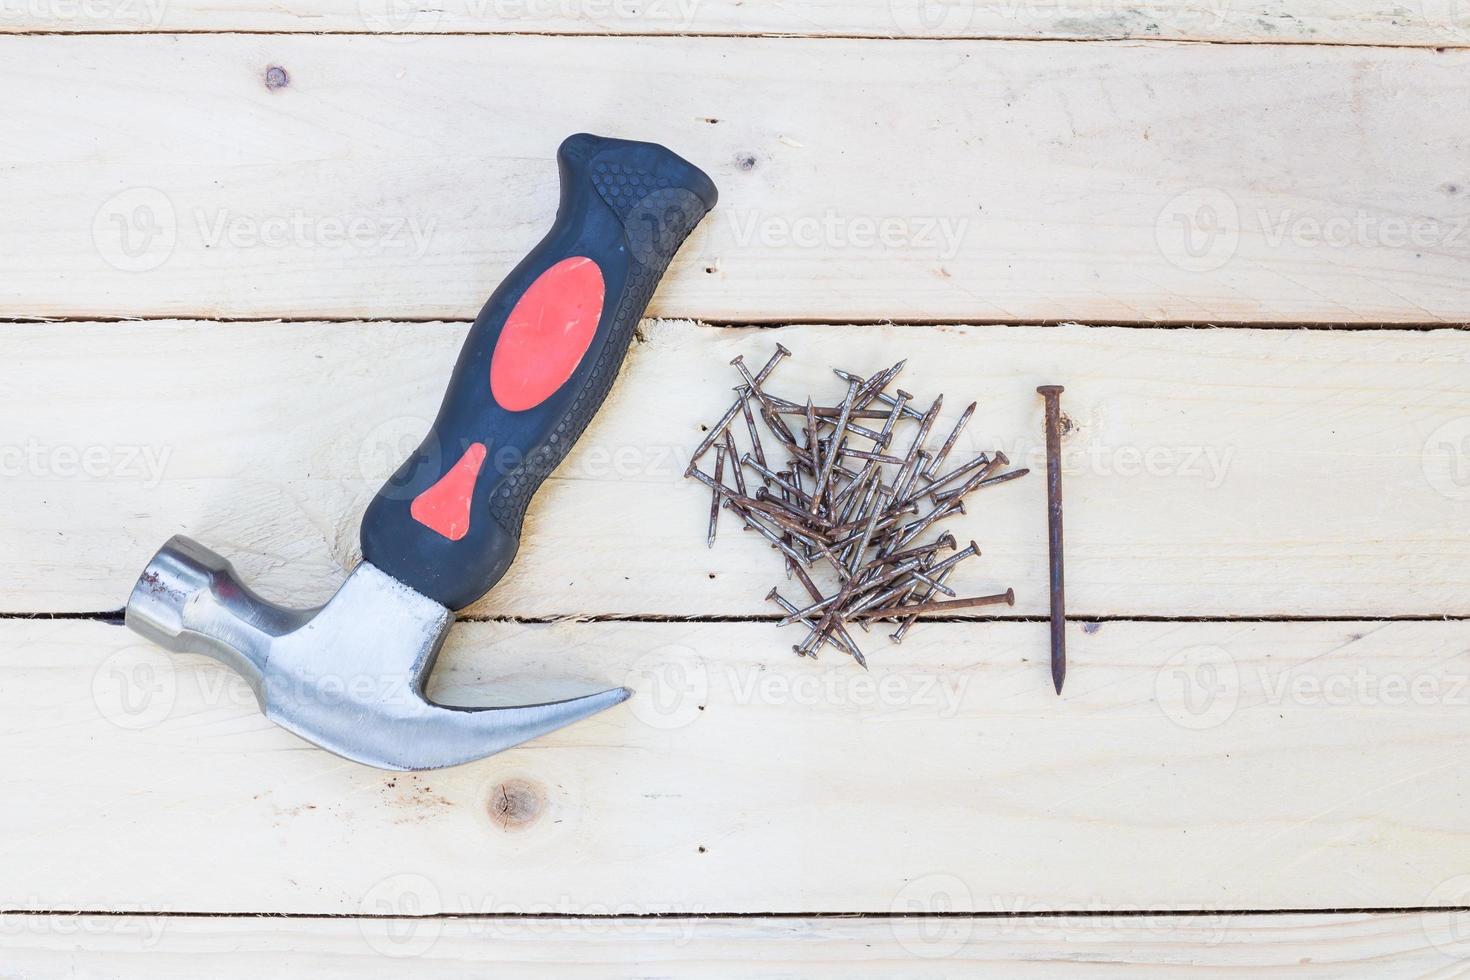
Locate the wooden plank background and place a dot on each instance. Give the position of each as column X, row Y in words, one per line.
column 1210, row 472
column 1426, row 23
column 1305, row 946
column 1060, row 181
column 1255, row 766
column 1190, row 766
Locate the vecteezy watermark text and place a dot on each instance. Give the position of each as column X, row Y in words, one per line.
column 33, row 458
column 942, row 235
column 138, row 229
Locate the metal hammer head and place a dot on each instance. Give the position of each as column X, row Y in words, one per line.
column 348, row 676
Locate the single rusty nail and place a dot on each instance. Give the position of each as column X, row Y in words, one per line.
column 959, row 471
column 755, row 436
column 737, row 471
column 954, row 436
column 945, row 540
column 1053, row 396
column 894, row 414
column 864, row 454
column 927, row 422
column 765, row 372
column 714, row 433
column 1008, row 597
column 989, row 481
column 714, row 504
column 831, row 459
column 784, row 407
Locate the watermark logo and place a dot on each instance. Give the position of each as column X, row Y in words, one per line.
column 1199, row 230
column 940, row 235
column 1447, row 924
column 108, row 13
column 404, row 235
column 1198, row 688
column 136, row 230
column 1446, row 459
column 925, row 905
column 388, row 445
column 139, row 229
column 670, row 687
column 1209, row 466
column 399, row 16
column 109, row 918
column 403, row 910
column 1450, row 16
column 672, row 13
column 939, row 695
column 136, row 687
column 1360, row 687
column 144, row 464
column 931, row 18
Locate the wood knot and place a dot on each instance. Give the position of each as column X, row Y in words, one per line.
column 516, row 803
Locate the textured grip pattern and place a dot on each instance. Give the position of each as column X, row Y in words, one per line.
column 657, row 218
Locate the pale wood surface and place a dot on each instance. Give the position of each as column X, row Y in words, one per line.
column 1299, row 946
column 1206, row 766
column 1414, row 22
column 1116, row 181
column 921, row 174
column 1209, row 472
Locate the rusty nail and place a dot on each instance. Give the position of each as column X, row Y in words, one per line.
column 1053, row 396
column 1008, row 597
column 714, row 433
column 716, row 494
column 954, row 436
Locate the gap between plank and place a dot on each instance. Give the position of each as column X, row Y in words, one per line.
column 776, row 322
column 715, row 916
column 115, row 618
column 1108, row 39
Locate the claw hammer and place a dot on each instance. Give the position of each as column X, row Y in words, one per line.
column 537, row 364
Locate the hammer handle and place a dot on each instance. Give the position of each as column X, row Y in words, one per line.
column 537, row 364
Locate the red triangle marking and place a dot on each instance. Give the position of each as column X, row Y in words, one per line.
column 445, row 507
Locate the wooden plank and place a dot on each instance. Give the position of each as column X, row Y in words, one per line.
column 964, row 180
column 163, row 948
column 1190, row 766
column 1429, row 23
column 1209, row 472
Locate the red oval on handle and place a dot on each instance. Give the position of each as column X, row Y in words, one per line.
column 547, row 334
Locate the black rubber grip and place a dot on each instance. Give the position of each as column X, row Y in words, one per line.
column 448, row 523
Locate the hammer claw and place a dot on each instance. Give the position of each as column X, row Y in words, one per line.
column 349, row 676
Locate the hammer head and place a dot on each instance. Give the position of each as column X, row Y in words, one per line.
column 348, row 676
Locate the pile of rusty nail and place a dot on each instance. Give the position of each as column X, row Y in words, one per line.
column 849, row 501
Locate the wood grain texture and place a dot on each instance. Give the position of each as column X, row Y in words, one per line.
column 172, row 948
column 1190, row 766
column 957, row 180
column 1208, row 472
column 1431, row 23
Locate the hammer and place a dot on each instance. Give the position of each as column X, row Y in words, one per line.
column 537, row 364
